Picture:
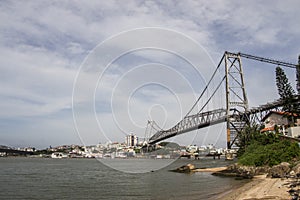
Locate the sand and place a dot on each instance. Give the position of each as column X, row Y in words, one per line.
column 259, row 188
column 216, row 169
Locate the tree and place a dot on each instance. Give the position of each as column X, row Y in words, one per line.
column 297, row 106
column 171, row 145
column 285, row 89
column 246, row 137
column 298, row 76
column 252, row 134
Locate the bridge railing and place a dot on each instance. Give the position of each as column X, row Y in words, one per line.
column 190, row 123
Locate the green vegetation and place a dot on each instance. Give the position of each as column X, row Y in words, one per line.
column 261, row 149
column 285, row 89
column 298, row 76
column 270, row 154
column 170, row 145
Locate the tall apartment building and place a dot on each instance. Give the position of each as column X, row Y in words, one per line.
column 131, row 140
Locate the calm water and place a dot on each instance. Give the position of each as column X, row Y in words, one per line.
column 35, row 178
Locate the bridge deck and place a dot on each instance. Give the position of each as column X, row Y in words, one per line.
column 205, row 119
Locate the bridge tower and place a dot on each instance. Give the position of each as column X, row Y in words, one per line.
column 236, row 98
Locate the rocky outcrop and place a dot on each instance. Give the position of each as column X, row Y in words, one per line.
column 237, row 170
column 296, row 170
column 280, row 171
column 244, row 171
column 189, row 168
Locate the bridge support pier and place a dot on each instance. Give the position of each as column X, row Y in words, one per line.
column 236, row 98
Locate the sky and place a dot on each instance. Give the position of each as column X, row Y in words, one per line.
column 76, row 72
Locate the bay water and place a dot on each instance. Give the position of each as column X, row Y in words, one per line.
column 45, row 178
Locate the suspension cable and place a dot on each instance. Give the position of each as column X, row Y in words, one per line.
column 212, row 95
column 206, row 87
column 267, row 60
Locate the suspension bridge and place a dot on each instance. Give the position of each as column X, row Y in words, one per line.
column 236, row 112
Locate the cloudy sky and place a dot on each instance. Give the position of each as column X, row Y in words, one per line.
column 82, row 73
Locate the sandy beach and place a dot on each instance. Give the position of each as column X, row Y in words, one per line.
column 216, row 169
column 259, row 187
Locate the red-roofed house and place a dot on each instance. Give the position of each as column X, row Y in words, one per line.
column 280, row 119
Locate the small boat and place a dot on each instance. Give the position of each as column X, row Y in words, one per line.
column 58, row 155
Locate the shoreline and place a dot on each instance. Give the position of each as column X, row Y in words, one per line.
column 260, row 187
column 214, row 169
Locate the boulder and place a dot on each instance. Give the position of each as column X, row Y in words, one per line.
column 242, row 171
column 262, row 170
column 185, row 169
column 246, row 171
column 296, row 169
column 292, row 174
column 279, row 171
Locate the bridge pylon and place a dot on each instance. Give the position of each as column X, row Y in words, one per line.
column 236, row 97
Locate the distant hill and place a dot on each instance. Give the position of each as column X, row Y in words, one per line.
column 4, row 147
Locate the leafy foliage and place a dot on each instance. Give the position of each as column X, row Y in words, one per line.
column 298, row 76
column 171, row 145
column 297, row 106
column 271, row 154
column 252, row 134
column 258, row 149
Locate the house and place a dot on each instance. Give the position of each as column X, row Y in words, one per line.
column 283, row 121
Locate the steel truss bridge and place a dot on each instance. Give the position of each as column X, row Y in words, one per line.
column 236, row 114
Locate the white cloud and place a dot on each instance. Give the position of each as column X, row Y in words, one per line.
column 34, row 82
column 42, row 44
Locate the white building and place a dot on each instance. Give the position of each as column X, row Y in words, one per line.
column 294, row 132
column 131, row 140
column 192, row 148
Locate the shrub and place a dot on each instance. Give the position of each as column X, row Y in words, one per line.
column 258, row 154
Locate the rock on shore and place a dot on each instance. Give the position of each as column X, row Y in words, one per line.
column 280, row 171
column 277, row 171
column 296, row 170
column 278, row 182
column 242, row 171
column 189, row 168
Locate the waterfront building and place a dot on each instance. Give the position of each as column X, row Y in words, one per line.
column 131, row 140
column 29, row 149
column 114, row 145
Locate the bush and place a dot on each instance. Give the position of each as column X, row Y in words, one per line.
column 258, row 154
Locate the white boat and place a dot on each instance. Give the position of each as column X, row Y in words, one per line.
column 58, row 155
column 121, row 154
